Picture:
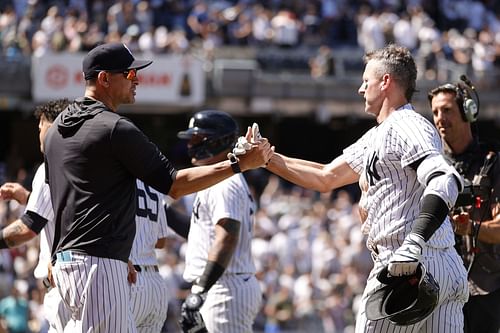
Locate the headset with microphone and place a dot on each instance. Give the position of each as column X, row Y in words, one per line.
column 469, row 107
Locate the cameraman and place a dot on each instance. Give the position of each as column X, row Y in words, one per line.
column 476, row 215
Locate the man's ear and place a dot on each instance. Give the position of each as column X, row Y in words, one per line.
column 102, row 77
column 386, row 80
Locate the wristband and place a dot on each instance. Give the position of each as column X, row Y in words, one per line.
column 3, row 244
column 234, row 163
column 213, row 271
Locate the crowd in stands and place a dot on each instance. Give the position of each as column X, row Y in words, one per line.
column 461, row 32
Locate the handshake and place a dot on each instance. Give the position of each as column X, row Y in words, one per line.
column 242, row 145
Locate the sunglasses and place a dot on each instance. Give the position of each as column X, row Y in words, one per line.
column 129, row 74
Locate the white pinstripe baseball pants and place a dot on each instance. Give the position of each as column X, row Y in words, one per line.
column 232, row 304
column 149, row 301
column 447, row 269
column 96, row 292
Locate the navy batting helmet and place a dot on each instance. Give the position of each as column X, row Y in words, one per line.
column 404, row 300
column 211, row 132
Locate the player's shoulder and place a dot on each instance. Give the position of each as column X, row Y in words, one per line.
column 412, row 122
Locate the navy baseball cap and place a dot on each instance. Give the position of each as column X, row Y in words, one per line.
column 110, row 57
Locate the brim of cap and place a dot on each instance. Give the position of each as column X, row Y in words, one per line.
column 140, row 64
column 187, row 134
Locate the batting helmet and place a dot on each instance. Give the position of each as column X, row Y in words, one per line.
column 403, row 300
column 216, row 131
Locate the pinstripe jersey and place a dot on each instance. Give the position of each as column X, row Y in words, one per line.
column 150, row 223
column 383, row 157
column 149, row 294
column 230, row 198
column 40, row 203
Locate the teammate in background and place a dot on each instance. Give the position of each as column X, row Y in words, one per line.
column 37, row 217
column 148, row 295
column 408, row 189
column 478, row 225
column 93, row 157
column 148, row 302
column 218, row 258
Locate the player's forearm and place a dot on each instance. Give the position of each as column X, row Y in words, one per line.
column 300, row 172
column 195, row 179
column 222, row 250
column 311, row 175
column 16, row 234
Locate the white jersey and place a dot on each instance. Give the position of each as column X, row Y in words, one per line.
column 232, row 199
column 39, row 202
column 382, row 156
column 150, row 223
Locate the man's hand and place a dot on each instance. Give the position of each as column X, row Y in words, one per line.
column 132, row 273
column 191, row 320
column 259, row 154
column 406, row 259
column 462, row 224
column 244, row 143
column 14, row 191
column 255, row 133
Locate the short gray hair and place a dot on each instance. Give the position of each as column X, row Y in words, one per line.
column 399, row 63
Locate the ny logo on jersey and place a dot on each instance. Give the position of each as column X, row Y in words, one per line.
column 196, row 208
column 371, row 169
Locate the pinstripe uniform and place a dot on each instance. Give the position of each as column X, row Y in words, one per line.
column 148, row 296
column 39, row 202
column 392, row 194
column 234, row 300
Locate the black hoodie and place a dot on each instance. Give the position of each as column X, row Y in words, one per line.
column 93, row 157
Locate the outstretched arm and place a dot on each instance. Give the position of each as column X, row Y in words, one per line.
column 312, row 175
column 194, row 179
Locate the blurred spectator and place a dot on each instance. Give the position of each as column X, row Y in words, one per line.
column 322, row 64
column 371, row 33
column 14, row 309
column 286, row 28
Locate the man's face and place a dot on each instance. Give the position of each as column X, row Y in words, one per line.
column 370, row 89
column 43, row 127
column 447, row 117
column 123, row 86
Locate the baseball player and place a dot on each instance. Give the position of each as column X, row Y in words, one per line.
column 149, row 301
column 93, row 157
column 218, row 256
column 37, row 217
column 408, row 190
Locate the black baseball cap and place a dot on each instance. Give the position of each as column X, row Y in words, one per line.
column 110, row 57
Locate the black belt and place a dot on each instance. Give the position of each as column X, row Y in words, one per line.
column 144, row 268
